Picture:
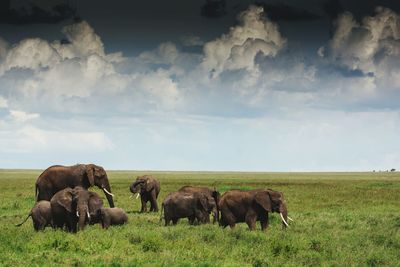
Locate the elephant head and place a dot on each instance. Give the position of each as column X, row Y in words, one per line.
column 80, row 200
column 95, row 204
column 273, row 201
column 97, row 176
column 207, row 205
column 75, row 202
column 142, row 184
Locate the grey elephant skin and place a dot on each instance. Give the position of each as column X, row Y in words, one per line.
column 71, row 208
column 112, row 216
column 207, row 191
column 41, row 215
column 148, row 187
column 250, row 206
column 56, row 178
column 194, row 206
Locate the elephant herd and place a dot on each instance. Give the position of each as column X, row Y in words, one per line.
column 63, row 201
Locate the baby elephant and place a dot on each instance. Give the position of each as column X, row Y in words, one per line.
column 112, row 216
column 41, row 215
column 187, row 205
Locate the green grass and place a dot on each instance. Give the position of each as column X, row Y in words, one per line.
column 341, row 219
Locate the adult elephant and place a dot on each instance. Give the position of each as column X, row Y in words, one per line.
column 207, row 191
column 187, row 205
column 250, row 206
column 148, row 188
column 56, row 178
column 72, row 207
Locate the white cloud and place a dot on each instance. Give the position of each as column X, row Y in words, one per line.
column 83, row 42
column 166, row 53
column 31, row 139
column 192, row 41
column 161, row 90
column 238, row 48
column 3, row 102
column 30, row 53
column 21, row 116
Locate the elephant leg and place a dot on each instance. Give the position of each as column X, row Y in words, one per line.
column 144, row 202
column 71, row 224
column 41, row 224
column 167, row 220
column 191, row 220
column 250, row 219
column 175, row 221
column 228, row 218
column 264, row 221
column 106, row 223
column 153, row 201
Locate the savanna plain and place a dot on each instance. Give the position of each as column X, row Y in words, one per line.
column 340, row 219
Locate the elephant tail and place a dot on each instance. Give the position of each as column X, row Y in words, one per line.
column 161, row 213
column 29, row 215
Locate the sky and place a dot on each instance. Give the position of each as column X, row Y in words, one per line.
column 301, row 85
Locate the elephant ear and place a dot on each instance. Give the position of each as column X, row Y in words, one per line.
column 66, row 201
column 90, row 174
column 95, row 202
column 149, row 184
column 263, row 199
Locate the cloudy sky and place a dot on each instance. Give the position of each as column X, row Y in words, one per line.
column 200, row 85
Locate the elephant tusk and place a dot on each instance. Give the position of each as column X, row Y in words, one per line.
column 290, row 218
column 105, row 190
column 283, row 220
column 77, row 214
column 138, row 195
column 88, row 214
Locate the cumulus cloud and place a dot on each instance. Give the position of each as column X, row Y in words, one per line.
column 237, row 49
column 165, row 53
column 363, row 45
column 82, row 41
column 31, row 54
column 77, row 74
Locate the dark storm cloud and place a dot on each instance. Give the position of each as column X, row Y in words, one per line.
column 32, row 11
column 278, row 12
column 333, row 8
column 213, row 9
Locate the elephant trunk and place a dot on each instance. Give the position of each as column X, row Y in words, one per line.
column 82, row 214
column 107, row 191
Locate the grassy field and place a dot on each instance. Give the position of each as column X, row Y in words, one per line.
column 341, row 219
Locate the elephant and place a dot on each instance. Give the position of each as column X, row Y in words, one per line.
column 41, row 215
column 205, row 190
column 148, row 188
column 95, row 204
column 56, row 178
column 187, row 205
column 72, row 206
column 112, row 216
column 250, row 206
